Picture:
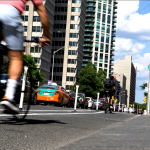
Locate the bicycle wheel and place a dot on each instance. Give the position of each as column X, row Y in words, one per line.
column 24, row 109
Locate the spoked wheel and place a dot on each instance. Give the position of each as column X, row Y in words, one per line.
column 27, row 99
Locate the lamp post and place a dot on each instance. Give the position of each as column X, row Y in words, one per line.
column 53, row 59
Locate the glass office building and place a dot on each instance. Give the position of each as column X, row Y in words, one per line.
column 99, row 34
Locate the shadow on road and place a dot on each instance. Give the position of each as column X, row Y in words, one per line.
column 29, row 121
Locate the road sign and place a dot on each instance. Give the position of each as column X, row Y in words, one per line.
column 146, row 89
column 149, row 67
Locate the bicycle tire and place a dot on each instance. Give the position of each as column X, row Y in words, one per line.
column 26, row 104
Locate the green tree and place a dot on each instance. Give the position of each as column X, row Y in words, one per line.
column 143, row 88
column 36, row 75
column 91, row 82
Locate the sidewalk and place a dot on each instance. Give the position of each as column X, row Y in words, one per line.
column 133, row 134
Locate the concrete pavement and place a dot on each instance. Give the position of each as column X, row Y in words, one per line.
column 132, row 134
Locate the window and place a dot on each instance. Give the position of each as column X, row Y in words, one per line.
column 25, row 28
column 100, row 65
column 102, row 37
column 109, row 9
column 71, row 70
column 71, row 52
column 27, row 8
column 70, row 78
column 102, row 47
column 74, row 26
column 71, row 61
column 25, row 18
column 36, row 18
column 98, row 27
column 104, row 8
column 36, row 59
column 104, row 18
column 72, row 43
column 108, row 28
column 76, row 1
column 103, row 27
column 74, row 35
column 107, row 38
column 75, row 9
column 99, row 6
column 108, row 19
column 75, row 18
column 32, row 50
column 97, row 36
column 98, row 17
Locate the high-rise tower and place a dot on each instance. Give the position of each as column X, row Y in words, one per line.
column 33, row 28
column 69, row 23
column 99, row 34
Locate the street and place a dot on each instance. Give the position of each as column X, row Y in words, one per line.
column 49, row 128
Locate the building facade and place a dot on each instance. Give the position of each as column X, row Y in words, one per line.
column 69, row 24
column 126, row 67
column 99, row 34
column 33, row 28
column 121, row 93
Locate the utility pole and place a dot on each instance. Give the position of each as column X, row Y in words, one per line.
column 148, row 91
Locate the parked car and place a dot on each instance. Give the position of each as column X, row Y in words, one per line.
column 3, row 83
column 72, row 100
column 52, row 93
column 82, row 100
column 100, row 104
column 139, row 111
column 90, row 101
column 117, row 107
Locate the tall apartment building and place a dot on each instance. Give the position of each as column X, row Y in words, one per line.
column 69, row 23
column 33, row 28
column 126, row 67
column 99, row 34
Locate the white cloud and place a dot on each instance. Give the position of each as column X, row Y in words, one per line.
column 131, row 24
column 126, row 46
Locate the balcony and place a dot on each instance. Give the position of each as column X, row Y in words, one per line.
column 87, row 55
column 89, row 24
column 112, row 50
column 111, row 59
column 100, row 60
column 90, row 15
column 115, row 7
column 84, row 65
column 87, row 50
column 114, row 15
column 113, row 30
column 112, row 45
column 88, row 39
column 87, row 60
column 116, row 2
column 111, row 64
column 88, row 45
column 91, row 0
column 91, row 5
column 114, row 20
column 113, row 35
column 115, row 11
column 86, row 34
column 89, row 30
column 113, row 40
column 112, row 54
column 89, row 9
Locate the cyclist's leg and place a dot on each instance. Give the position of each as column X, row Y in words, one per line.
column 13, row 34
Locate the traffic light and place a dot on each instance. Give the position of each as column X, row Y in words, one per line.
column 116, row 100
column 112, row 97
column 144, row 99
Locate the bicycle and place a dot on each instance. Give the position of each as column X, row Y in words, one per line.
column 23, row 105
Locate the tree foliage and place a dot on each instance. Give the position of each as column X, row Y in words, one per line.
column 32, row 65
column 143, row 86
column 91, row 82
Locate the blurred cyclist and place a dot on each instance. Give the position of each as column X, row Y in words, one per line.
column 10, row 16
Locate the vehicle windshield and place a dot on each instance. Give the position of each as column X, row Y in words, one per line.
column 49, row 87
column 95, row 100
column 79, row 94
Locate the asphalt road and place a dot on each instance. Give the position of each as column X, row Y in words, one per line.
column 50, row 128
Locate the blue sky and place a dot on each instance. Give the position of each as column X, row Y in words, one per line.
column 133, row 37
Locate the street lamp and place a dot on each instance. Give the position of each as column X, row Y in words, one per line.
column 53, row 60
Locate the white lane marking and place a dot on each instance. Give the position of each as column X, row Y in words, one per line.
column 56, row 114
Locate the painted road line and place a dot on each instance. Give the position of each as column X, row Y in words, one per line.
column 54, row 114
